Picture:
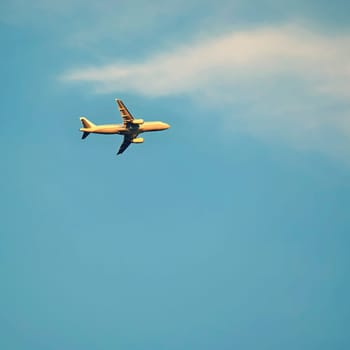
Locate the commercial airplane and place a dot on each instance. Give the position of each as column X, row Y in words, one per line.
column 130, row 128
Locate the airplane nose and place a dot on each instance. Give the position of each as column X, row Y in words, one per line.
column 166, row 126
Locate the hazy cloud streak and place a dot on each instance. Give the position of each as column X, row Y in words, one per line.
column 265, row 53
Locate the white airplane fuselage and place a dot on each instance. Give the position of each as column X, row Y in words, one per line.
column 126, row 130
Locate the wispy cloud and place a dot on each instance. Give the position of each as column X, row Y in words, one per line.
column 239, row 56
column 285, row 76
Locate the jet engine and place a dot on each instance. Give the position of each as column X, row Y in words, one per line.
column 137, row 121
column 137, row 140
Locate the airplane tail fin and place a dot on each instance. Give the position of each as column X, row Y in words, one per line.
column 86, row 125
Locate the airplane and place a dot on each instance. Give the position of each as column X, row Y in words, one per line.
column 130, row 128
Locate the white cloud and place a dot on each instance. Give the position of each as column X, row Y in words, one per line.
column 258, row 54
column 287, row 77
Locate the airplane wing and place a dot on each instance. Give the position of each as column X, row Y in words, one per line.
column 126, row 115
column 125, row 144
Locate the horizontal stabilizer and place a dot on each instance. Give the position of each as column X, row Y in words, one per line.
column 85, row 135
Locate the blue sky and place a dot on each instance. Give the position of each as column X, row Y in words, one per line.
column 229, row 230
